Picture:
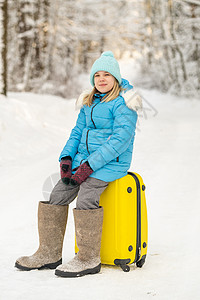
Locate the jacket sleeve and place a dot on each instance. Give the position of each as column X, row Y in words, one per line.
column 72, row 144
column 124, row 127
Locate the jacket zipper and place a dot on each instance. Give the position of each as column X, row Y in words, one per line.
column 87, row 141
column 138, row 240
column 92, row 112
column 93, row 124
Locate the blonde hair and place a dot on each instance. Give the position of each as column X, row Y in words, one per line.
column 111, row 95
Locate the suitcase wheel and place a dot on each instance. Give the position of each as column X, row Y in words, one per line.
column 123, row 264
column 141, row 262
column 125, row 268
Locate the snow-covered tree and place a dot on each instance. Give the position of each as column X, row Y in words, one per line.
column 52, row 41
column 170, row 54
column 28, row 26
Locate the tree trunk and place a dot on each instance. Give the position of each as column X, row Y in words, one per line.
column 22, row 29
column 165, row 47
column 36, row 41
column 51, row 38
column 3, row 46
column 175, row 46
column 196, row 55
column 149, row 38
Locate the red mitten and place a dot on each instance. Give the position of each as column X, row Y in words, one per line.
column 66, row 169
column 82, row 173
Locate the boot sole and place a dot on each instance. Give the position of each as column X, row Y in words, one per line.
column 46, row 266
column 78, row 274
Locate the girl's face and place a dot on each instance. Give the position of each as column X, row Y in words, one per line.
column 103, row 81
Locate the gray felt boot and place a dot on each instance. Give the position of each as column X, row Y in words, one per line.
column 88, row 227
column 52, row 220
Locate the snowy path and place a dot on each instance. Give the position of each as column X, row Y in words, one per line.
column 33, row 130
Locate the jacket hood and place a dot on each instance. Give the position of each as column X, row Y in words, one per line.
column 131, row 96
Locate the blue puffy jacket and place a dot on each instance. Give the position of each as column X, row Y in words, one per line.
column 104, row 136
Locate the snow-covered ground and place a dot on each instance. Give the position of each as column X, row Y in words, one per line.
column 33, row 130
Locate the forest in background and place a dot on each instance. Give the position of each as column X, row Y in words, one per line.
column 46, row 44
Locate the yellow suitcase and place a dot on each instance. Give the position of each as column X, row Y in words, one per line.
column 124, row 234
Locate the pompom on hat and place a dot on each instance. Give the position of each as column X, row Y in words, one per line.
column 106, row 62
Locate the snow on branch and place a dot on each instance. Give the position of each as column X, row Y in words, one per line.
column 195, row 2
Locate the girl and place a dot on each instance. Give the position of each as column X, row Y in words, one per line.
column 98, row 151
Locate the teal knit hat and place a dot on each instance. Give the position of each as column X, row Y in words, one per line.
column 106, row 62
